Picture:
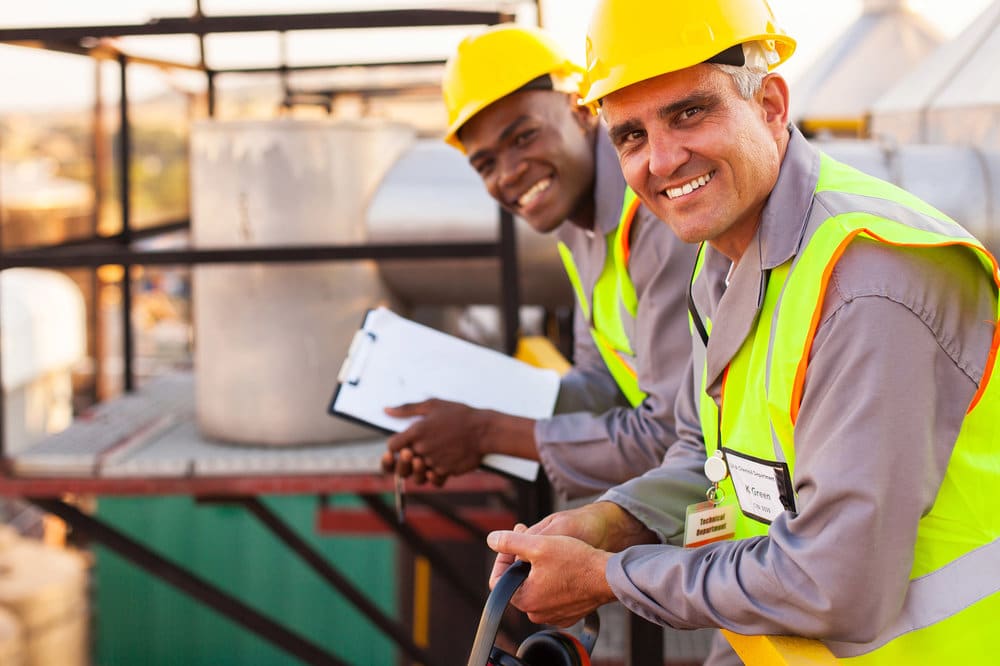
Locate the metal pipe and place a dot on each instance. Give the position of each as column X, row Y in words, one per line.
column 3, row 333
column 291, row 254
column 392, row 18
column 125, row 183
column 510, row 289
column 309, row 68
column 100, row 167
column 210, row 82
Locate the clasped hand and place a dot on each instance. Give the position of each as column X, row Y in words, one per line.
column 442, row 443
column 568, row 554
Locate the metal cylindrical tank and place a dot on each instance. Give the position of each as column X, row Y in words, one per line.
column 960, row 181
column 432, row 195
column 46, row 589
column 44, row 337
column 269, row 338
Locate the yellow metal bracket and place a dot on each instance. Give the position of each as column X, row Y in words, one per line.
column 540, row 352
column 779, row 650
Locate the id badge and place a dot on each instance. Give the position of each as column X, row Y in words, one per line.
column 708, row 522
column 763, row 487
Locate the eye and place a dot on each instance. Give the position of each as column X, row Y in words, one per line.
column 636, row 135
column 524, row 138
column 629, row 139
column 484, row 167
column 687, row 114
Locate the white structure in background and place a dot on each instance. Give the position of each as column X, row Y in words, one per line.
column 432, row 195
column 44, row 336
column 835, row 95
column 270, row 338
column 34, row 185
column 960, row 181
column 954, row 96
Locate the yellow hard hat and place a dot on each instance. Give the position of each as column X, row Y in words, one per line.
column 495, row 63
column 632, row 40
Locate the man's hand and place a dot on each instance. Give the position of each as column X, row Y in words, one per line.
column 585, row 523
column 443, row 443
column 411, row 465
column 603, row 525
column 574, row 546
column 567, row 575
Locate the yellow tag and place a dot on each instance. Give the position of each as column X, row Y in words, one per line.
column 707, row 522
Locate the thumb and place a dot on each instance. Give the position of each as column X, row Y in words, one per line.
column 407, row 409
column 512, row 542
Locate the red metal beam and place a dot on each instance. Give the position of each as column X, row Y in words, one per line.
column 428, row 523
column 239, row 485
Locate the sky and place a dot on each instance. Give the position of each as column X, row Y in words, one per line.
column 34, row 80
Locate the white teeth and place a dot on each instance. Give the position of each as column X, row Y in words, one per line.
column 689, row 187
column 534, row 191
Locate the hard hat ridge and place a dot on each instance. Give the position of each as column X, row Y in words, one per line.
column 631, row 40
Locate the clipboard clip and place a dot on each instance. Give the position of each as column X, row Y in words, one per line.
column 357, row 354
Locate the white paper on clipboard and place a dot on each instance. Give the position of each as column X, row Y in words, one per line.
column 393, row 361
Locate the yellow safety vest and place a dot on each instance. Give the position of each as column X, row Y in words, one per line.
column 613, row 291
column 953, row 600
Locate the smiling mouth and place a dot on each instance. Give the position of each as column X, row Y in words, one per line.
column 689, row 187
column 525, row 199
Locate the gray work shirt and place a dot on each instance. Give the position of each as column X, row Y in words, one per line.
column 898, row 354
column 597, row 439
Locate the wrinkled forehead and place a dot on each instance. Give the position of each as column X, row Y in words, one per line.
column 666, row 91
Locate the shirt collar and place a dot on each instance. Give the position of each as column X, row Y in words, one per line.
column 783, row 220
column 609, row 184
column 734, row 307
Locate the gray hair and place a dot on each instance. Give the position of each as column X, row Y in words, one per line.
column 748, row 79
column 758, row 57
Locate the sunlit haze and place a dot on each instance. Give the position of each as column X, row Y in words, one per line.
column 31, row 79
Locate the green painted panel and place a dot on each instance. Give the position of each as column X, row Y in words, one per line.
column 141, row 620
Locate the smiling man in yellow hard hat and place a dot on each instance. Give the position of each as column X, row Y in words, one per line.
column 846, row 381
column 513, row 107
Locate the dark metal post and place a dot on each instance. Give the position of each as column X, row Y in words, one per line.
column 203, row 61
column 100, row 167
column 3, row 332
column 125, row 184
column 210, row 75
column 644, row 644
column 510, row 286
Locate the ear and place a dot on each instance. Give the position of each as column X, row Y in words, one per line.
column 585, row 114
column 774, row 102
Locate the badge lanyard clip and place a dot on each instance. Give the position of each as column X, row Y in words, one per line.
column 711, row 521
column 716, row 471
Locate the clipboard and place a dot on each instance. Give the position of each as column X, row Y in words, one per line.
column 393, row 360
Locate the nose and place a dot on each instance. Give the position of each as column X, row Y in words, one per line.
column 511, row 169
column 666, row 154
